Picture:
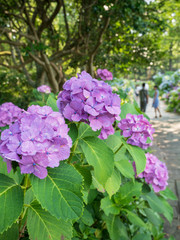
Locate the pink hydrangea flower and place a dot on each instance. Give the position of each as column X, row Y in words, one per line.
column 137, row 129
column 155, row 173
column 9, row 113
column 44, row 89
column 104, row 74
column 92, row 101
column 36, row 141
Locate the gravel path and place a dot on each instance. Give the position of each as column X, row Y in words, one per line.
column 166, row 146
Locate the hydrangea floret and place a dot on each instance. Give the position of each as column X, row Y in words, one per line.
column 36, row 141
column 155, row 173
column 44, row 89
column 137, row 129
column 9, row 113
column 91, row 101
column 104, row 74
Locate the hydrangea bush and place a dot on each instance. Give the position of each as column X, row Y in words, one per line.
column 104, row 74
column 92, row 101
column 69, row 174
column 44, row 89
column 138, row 130
column 9, row 113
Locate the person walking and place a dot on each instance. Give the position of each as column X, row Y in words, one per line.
column 156, row 102
column 143, row 94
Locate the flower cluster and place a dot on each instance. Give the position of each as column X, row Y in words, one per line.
column 137, row 129
column 36, row 141
column 9, row 113
column 89, row 100
column 104, row 74
column 155, row 173
column 44, row 89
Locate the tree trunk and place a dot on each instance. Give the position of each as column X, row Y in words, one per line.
column 90, row 68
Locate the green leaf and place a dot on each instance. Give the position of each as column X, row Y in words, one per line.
column 52, row 102
column 100, row 156
column 148, row 140
column 113, row 183
column 60, row 192
column 86, row 173
column 142, row 236
column 86, row 131
column 40, row 103
column 87, row 218
column 11, row 202
column 43, row 226
column 168, row 210
column 138, row 156
column 73, row 132
column 153, row 217
column 128, row 108
column 11, row 234
column 168, row 194
column 154, row 202
column 128, row 193
column 116, row 228
column 134, row 219
column 109, row 207
column 125, row 167
column 17, row 176
column 29, row 196
column 113, row 142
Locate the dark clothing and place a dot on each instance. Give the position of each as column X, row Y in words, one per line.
column 143, row 94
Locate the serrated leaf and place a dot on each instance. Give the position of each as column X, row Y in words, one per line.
column 12, row 233
column 11, row 202
column 109, row 207
column 134, row 219
column 86, row 131
column 17, row 176
column 87, row 218
column 43, row 226
column 125, row 167
column 128, row 193
column 100, row 156
column 138, row 156
column 86, row 173
column 60, row 192
column 116, row 228
column 51, row 101
column 113, row 183
column 29, row 196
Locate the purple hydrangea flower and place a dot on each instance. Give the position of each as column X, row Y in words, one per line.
column 9, row 113
column 36, row 141
column 155, row 173
column 138, row 130
column 89, row 100
column 44, row 89
column 104, row 74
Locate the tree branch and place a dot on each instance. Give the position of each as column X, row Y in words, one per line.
column 48, row 22
column 65, row 20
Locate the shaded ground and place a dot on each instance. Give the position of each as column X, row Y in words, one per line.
column 166, row 146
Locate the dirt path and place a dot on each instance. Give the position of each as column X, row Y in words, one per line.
column 166, row 146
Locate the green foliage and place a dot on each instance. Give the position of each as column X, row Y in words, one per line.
column 60, row 192
column 11, row 198
column 41, row 225
column 14, row 88
column 99, row 156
